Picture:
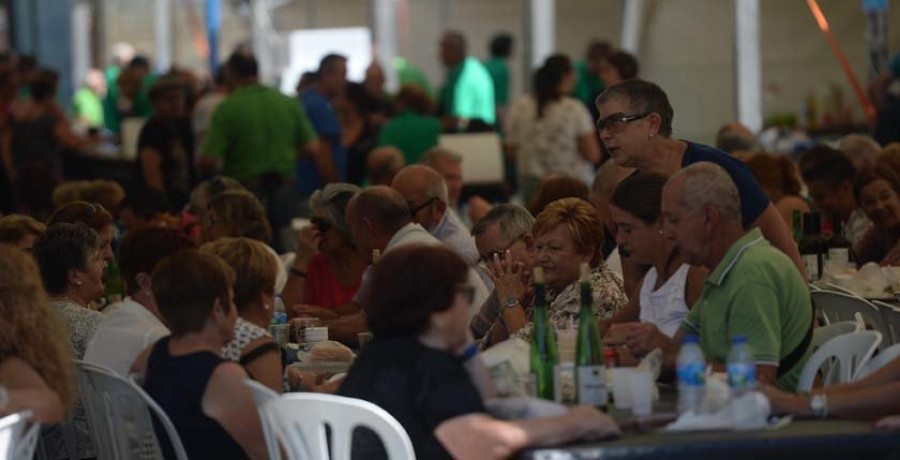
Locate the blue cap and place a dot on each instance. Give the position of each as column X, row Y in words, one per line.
column 739, row 339
column 690, row 339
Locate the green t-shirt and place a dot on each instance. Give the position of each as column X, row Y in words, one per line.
column 469, row 92
column 412, row 133
column 258, row 130
column 499, row 72
column 87, row 105
column 755, row 291
column 587, row 86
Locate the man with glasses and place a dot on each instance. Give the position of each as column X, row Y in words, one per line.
column 503, row 236
column 635, row 125
column 426, row 193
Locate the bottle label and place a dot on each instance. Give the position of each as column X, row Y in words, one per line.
column 741, row 376
column 592, row 387
column 693, row 374
column 841, row 255
column 811, row 261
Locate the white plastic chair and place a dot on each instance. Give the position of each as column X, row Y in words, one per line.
column 826, row 333
column 891, row 315
column 18, row 439
column 117, row 411
column 838, row 306
column 300, row 420
column 264, row 396
column 850, row 352
column 882, row 359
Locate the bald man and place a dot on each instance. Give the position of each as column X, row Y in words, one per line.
column 426, row 194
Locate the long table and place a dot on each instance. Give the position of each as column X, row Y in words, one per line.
column 809, row 438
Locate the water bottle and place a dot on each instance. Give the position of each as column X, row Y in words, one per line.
column 278, row 304
column 741, row 367
column 691, row 369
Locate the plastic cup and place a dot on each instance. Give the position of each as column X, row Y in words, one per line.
column 280, row 333
column 300, row 324
column 641, row 392
column 621, row 386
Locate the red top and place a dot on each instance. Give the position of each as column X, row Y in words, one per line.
column 322, row 288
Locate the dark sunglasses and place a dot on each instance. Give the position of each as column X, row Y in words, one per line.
column 322, row 224
column 616, row 122
column 415, row 210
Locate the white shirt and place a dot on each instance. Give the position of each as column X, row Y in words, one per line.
column 123, row 335
column 665, row 307
column 416, row 234
column 549, row 145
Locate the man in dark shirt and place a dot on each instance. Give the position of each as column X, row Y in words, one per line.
column 166, row 144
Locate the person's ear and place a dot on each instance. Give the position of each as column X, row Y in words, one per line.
column 143, row 280
column 74, row 277
column 441, row 207
column 655, row 122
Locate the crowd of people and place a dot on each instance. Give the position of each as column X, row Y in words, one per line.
column 177, row 275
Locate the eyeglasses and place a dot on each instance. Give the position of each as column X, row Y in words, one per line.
column 501, row 253
column 615, row 123
column 321, row 223
column 415, row 210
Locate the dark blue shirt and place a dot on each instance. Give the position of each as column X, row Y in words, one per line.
column 753, row 200
column 327, row 126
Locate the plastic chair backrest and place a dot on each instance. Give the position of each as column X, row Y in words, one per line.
column 891, row 315
column 18, row 439
column 826, row 333
column 301, row 418
column 163, row 418
column 119, row 416
column 264, row 396
column 839, row 306
column 849, row 351
column 882, row 359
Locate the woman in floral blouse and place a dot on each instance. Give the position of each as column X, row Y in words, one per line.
column 567, row 233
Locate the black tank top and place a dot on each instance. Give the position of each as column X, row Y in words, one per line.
column 177, row 384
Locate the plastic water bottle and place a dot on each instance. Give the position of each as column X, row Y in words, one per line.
column 278, row 304
column 741, row 367
column 691, row 369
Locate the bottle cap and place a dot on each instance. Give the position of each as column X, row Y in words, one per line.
column 538, row 275
column 739, row 339
column 691, row 339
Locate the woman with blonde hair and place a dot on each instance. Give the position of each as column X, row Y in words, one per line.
column 20, row 230
column 237, row 213
column 567, row 233
column 255, row 271
column 35, row 361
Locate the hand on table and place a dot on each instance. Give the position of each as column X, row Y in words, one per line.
column 785, row 403
column 593, row 423
column 640, row 338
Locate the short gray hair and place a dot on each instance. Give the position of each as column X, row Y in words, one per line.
column 435, row 155
column 332, row 200
column 514, row 221
column 705, row 184
column 438, row 189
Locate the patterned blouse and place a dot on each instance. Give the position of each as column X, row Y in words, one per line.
column 245, row 333
column 82, row 323
column 609, row 297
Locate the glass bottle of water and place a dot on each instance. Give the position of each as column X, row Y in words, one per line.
column 691, row 369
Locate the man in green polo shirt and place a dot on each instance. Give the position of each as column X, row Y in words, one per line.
column 256, row 136
column 497, row 67
column 753, row 289
column 468, row 92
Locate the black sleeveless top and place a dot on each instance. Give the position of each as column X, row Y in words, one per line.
column 177, row 384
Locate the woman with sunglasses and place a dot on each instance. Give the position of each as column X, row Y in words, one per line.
column 635, row 125
column 551, row 133
column 423, row 368
column 328, row 267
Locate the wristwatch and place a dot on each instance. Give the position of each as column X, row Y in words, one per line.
column 818, row 404
column 509, row 302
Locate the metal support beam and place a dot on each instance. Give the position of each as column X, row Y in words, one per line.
column 632, row 24
column 162, row 35
column 81, row 40
column 543, row 33
column 748, row 70
column 384, row 29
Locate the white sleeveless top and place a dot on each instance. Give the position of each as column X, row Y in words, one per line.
column 665, row 307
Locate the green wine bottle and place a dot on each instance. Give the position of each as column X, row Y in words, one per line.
column 797, row 226
column 544, row 357
column 589, row 367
